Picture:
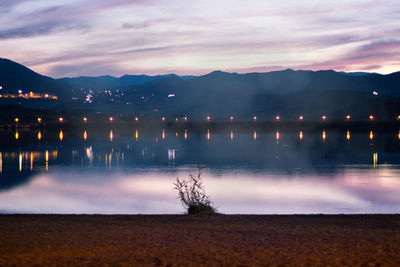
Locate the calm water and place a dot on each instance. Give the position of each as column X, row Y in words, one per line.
column 130, row 171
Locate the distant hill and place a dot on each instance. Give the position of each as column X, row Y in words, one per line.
column 220, row 94
column 110, row 82
column 288, row 92
column 14, row 77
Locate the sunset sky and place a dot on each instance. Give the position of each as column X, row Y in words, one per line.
column 80, row 37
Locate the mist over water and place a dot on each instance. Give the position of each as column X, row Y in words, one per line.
column 248, row 171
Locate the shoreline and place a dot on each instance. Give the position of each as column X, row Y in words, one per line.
column 249, row 240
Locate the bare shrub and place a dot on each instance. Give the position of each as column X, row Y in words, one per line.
column 192, row 195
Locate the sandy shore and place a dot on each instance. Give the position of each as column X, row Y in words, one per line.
column 227, row 240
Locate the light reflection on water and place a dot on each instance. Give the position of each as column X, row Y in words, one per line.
column 249, row 172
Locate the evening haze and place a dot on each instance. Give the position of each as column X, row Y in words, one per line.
column 71, row 38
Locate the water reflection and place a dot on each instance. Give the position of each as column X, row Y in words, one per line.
column 266, row 159
column 149, row 191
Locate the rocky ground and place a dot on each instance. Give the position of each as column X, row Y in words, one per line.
column 181, row 240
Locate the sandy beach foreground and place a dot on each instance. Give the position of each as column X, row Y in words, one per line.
column 227, row 240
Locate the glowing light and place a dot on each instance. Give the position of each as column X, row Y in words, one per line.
column 371, row 135
column 277, row 136
column 111, row 135
column 137, row 135
column 16, row 135
column 323, row 135
column 375, row 159
column 20, row 161
column 277, row 118
column 111, row 119
column 255, row 135
column 47, row 160
column 39, row 120
column 163, row 118
column 323, row 117
column 348, row 117
column 185, row 118
column 176, row 119
column 375, row 93
column 39, row 135
column 84, row 135
column 84, row 119
column 19, row 91
column 232, row 135
column 232, row 118
column 176, row 134
column 208, row 134
column 186, row 135
column 348, row 135
column 31, row 160
column 371, row 117
column 61, row 135
column 136, row 118
column 61, row 119
column 163, row 134
column 254, row 118
column 398, row 135
column 16, row 120
column 1, row 162
column 208, row 118
column 301, row 135
column 171, row 95
column 301, row 117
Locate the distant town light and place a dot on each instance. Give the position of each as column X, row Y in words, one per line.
column 16, row 119
column 301, row 117
column 163, row 118
column 371, row 117
column 84, row 119
column 277, row 118
column 254, row 118
column 46, row 95
column 232, row 118
column 348, row 117
column 171, row 95
column 323, row 117
column 19, row 91
column 398, row 117
column 60, row 119
column 39, row 120
column 185, row 118
column 176, row 119
column 1, row 87
column 375, row 93
column 136, row 118
column 111, row 119
column 208, row 118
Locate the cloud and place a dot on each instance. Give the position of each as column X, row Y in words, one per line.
column 37, row 29
column 200, row 36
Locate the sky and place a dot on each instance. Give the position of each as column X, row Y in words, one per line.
column 68, row 38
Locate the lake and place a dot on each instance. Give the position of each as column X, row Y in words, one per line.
column 247, row 171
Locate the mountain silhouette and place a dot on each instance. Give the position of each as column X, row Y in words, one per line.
column 14, row 77
column 219, row 94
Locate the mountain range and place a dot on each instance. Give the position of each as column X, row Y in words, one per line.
column 221, row 94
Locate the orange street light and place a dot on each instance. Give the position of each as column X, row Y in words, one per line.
column 61, row 119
